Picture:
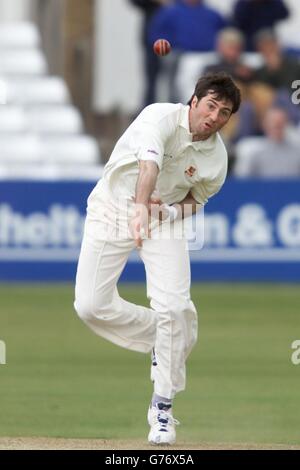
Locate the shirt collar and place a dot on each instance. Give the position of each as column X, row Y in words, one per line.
column 203, row 145
column 184, row 120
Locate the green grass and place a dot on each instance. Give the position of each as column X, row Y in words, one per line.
column 62, row 380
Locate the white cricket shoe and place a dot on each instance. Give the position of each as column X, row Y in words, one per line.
column 162, row 425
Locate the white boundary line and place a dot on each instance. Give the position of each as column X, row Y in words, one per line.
column 260, row 255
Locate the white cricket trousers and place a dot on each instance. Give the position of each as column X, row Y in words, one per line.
column 170, row 325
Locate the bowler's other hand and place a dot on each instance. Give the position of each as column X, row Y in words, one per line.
column 157, row 210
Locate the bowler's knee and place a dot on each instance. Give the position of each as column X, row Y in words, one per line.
column 84, row 310
column 192, row 321
column 104, row 312
column 184, row 316
column 181, row 308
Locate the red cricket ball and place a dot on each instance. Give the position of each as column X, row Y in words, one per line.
column 161, row 47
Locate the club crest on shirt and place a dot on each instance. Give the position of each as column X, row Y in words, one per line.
column 190, row 171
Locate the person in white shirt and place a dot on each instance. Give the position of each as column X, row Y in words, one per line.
column 168, row 163
column 276, row 155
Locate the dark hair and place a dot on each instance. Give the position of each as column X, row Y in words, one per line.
column 220, row 84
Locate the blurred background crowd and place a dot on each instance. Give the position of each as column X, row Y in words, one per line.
column 73, row 74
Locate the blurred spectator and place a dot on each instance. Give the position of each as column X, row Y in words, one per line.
column 188, row 25
column 230, row 45
column 274, row 79
column 273, row 156
column 250, row 16
column 279, row 69
column 151, row 61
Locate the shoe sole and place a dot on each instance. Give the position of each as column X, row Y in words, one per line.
column 161, row 444
column 152, row 442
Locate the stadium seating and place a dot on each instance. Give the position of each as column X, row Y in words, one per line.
column 48, row 171
column 58, row 119
column 79, row 149
column 22, row 62
column 12, row 119
column 36, row 90
column 64, row 150
column 19, row 148
column 41, row 119
column 41, row 132
column 20, row 34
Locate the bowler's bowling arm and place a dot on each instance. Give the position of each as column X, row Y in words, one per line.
column 148, row 171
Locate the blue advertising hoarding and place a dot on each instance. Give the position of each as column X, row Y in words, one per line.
column 251, row 232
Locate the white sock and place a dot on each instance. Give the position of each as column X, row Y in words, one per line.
column 157, row 399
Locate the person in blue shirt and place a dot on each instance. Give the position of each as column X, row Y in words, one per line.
column 250, row 16
column 151, row 63
column 189, row 25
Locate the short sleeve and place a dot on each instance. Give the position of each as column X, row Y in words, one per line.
column 152, row 137
column 151, row 145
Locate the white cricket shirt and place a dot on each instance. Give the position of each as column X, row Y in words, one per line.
column 161, row 133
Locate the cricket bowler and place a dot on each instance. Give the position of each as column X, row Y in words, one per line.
column 165, row 167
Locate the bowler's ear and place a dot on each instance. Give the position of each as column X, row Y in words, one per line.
column 194, row 102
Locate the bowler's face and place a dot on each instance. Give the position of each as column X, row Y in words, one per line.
column 208, row 115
